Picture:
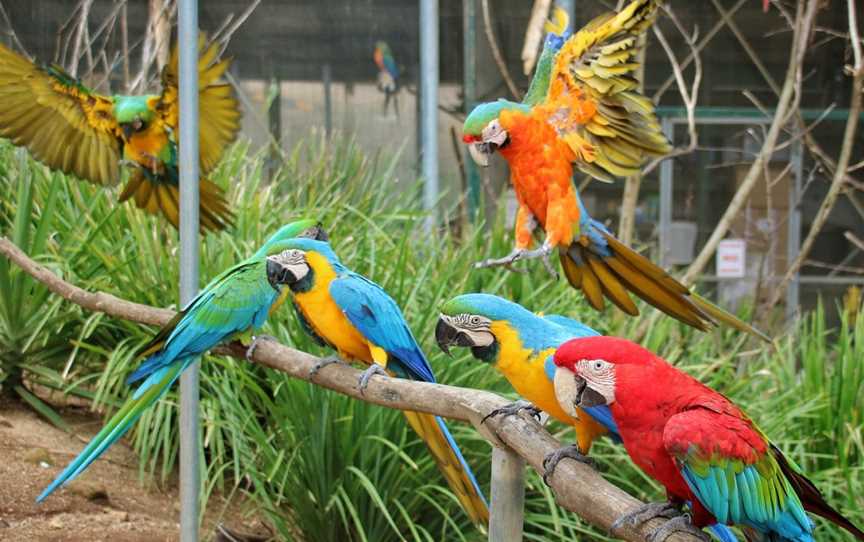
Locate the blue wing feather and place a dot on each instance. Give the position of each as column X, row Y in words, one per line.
column 378, row 318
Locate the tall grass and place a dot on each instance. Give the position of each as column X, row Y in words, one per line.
column 320, row 466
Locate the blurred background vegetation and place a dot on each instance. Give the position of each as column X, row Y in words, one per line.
column 320, row 466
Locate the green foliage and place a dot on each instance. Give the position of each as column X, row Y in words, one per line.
column 318, row 465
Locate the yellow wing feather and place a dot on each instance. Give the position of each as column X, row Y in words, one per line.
column 220, row 113
column 595, row 66
column 62, row 123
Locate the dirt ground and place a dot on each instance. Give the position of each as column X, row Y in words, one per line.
column 106, row 503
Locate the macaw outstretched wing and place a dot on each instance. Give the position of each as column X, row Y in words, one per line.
column 378, row 318
column 64, row 124
column 220, row 113
column 593, row 99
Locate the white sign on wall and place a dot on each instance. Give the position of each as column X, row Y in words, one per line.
column 731, row 258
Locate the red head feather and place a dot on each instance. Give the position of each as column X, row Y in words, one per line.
column 612, row 349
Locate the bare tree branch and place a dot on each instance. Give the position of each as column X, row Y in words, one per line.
column 806, row 14
column 534, row 34
column 837, row 182
column 496, row 51
column 577, row 487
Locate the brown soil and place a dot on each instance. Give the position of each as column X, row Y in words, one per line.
column 106, row 503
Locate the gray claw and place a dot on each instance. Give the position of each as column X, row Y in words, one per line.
column 324, row 363
column 373, row 370
column 512, row 409
column 506, row 261
column 255, row 341
column 678, row 524
column 646, row 512
column 566, row 452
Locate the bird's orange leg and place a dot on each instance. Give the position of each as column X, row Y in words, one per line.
column 525, row 226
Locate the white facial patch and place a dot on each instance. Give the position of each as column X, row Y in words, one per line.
column 599, row 375
column 294, row 260
column 494, row 133
column 567, row 390
column 476, row 327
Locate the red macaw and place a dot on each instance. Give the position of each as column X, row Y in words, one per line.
column 704, row 450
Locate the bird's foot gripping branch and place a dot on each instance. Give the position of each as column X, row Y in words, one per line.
column 577, row 487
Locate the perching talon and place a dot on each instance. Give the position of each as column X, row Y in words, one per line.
column 373, row 370
column 330, row 360
column 646, row 512
column 513, row 409
column 678, row 524
column 566, row 452
column 255, row 341
column 514, row 256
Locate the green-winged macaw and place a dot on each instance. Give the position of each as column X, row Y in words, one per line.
column 71, row 128
column 701, row 447
column 520, row 344
column 357, row 318
column 233, row 305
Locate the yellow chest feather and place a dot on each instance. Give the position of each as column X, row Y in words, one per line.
column 525, row 370
column 326, row 318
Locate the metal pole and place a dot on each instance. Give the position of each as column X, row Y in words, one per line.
column 328, row 101
column 508, row 496
column 793, row 225
column 429, row 106
column 666, row 193
column 187, row 15
column 469, row 89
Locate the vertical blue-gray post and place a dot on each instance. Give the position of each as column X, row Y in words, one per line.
column 666, row 198
column 429, row 107
column 469, row 91
column 187, row 15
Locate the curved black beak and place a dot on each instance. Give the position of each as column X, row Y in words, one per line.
column 447, row 335
column 587, row 396
column 278, row 274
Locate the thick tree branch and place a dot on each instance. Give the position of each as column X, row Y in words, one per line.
column 577, row 487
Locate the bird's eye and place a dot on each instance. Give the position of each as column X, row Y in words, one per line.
column 598, row 365
column 475, row 320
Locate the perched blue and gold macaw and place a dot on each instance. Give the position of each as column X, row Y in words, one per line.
column 231, row 306
column 358, row 319
column 520, row 345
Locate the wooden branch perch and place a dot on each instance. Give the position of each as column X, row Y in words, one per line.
column 577, row 487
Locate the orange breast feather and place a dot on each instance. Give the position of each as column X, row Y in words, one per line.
column 541, row 172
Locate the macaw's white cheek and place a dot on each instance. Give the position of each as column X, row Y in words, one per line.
column 567, row 390
column 299, row 270
column 479, row 337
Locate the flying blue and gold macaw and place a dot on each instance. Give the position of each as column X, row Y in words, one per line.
column 71, row 128
column 520, row 345
column 388, row 75
column 231, row 306
column 357, row 318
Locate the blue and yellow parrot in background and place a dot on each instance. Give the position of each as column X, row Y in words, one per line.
column 79, row 132
column 231, row 306
column 521, row 344
column 388, row 75
column 357, row 318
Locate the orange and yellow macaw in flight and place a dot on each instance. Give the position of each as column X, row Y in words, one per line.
column 583, row 109
column 72, row 129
